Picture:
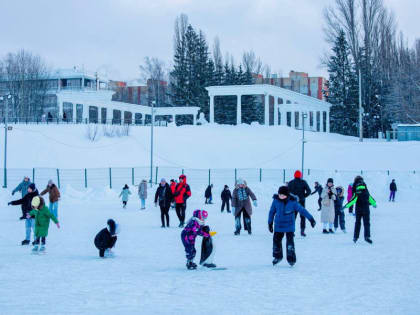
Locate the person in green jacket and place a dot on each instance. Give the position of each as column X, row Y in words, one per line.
column 42, row 221
column 124, row 194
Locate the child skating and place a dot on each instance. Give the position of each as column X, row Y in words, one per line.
column 193, row 228
column 42, row 222
column 282, row 213
column 124, row 195
column 106, row 239
column 339, row 212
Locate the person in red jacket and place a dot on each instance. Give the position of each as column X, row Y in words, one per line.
column 172, row 185
column 181, row 194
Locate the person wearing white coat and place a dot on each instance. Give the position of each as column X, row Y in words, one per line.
column 328, row 196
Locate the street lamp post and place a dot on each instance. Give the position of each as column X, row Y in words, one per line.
column 304, row 116
column 360, row 108
column 6, row 116
column 151, row 144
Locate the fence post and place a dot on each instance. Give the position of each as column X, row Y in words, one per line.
column 236, row 174
column 260, row 175
column 85, row 178
column 182, row 171
column 284, row 175
column 361, row 172
column 309, row 172
column 156, row 176
column 209, row 176
column 58, row 178
column 132, row 176
column 388, row 172
column 33, row 175
column 110, row 178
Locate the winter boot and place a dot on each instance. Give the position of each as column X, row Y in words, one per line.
column 42, row 248
column 344, row 231
column 325, row 231
column 331, row 231
column 191, row 265
column 25, row 242
column 354, row 240
column 302, row 234
column 237, row 232
column 276, row 261
column 35, row 249
column 367, row 239
column 291, row 255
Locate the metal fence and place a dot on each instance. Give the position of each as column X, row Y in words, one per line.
column 117, row 177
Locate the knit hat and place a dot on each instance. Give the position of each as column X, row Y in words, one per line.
column 32, row 186
column 240, row 181
column 50, row 182
column 298, row 174
column 226, row 186
column 35, row 202
column 162, row 180
column 112, row 227
column 284, row 190
column 330, row 180
column 200, row 214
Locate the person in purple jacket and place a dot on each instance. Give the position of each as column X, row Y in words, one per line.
column 193, row 228
column 282, row 213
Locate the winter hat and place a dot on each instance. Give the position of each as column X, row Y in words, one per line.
column 36, row 201
column 112, row 226
column 240, row 181
column 32, row 186
column 298, row 174
column 50, row 182
column 172, row 180
column 200, row 214
column 125, row 186
column 162, row 180
column 183, row 177
column 284, row 190
column 330, row 180
column 226, row 186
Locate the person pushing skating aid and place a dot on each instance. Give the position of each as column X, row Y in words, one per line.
column 106, row 239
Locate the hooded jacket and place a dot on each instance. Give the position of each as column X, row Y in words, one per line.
column 26, row 202
column 361, row 198
column 42, row 220
column 106, row 237
column 54, row 193
column 283, row 214
column 22, row 187
column 299, row 188
column 164, row 195
column 182, row 191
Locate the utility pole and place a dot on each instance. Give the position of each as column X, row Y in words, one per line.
column 304, row 115
column 360, row 108
column 151, row 145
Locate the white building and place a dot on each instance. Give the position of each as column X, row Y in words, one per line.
column 281, row 106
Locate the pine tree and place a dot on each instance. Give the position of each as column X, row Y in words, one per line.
column 342, row 89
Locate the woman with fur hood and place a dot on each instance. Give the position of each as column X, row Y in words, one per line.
column 241, row 204
column 329, row 195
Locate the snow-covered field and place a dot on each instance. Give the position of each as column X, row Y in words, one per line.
column 148, row 274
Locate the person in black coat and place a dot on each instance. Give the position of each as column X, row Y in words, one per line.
column 300, row 189
column 226, row 197
column 25, row 202
column 392, row 189
column 208, row 195
column 165, row 197
column 318, row 189
column 106, row 238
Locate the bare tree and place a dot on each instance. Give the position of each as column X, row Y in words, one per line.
column 153, row 71
column 251, row 63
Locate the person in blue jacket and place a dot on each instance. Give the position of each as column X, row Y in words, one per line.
column 282, row 213
column 23, row 189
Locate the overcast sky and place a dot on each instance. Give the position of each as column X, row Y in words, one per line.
column 116, row 35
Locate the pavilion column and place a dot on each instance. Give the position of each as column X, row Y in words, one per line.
column 108, row 117
column 238, row 110
column 194, row 119
column 292, row 116
column 321, row 121
column 266, row 109
column 74, row 111
column 173, row 119
column 211, row 109
column 85, row 115
column 276, row 111
column 328, row 121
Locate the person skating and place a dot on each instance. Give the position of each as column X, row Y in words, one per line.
column 282, row 213
column 193, row 228
column 172, row 185
column 26, row 204
column 226, row 197
column 392, row 190
column 328, row 209
column 106, row 239
column 208, row 195
column 339, row 213
column 54, row 196
column 361, row 199
column 142, row 192
column 241, row 205
column 182, row 193
column 125, row 192
column 23, row 189
column 300, row 188
column 164, row 196
column 42, row 222
column 318, row 189
column 349, row 196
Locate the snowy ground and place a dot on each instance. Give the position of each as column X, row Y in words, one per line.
column 148, row 275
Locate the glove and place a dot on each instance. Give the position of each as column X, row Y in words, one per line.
column 58, row 225
column 270, row 227
column 375, row 206
column 9, row 203
column 255, row 203
column 313, row 223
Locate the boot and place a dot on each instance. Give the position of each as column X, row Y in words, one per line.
column 354, row 240
column 291, row 255
column 367, row 239
column 302, row 233
column 25, row 242
column 237, row 232
column 331, row 231
column 191, row 265
column 162, row 226
column 35, row 249
column 276, row 261
column 42, row 248
column 324, row 231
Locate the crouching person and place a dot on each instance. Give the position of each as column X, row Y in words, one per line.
column 42, row 222
column 106, row 239
column 282, row 213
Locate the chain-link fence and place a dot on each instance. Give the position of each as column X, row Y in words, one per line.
column 117, row 177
